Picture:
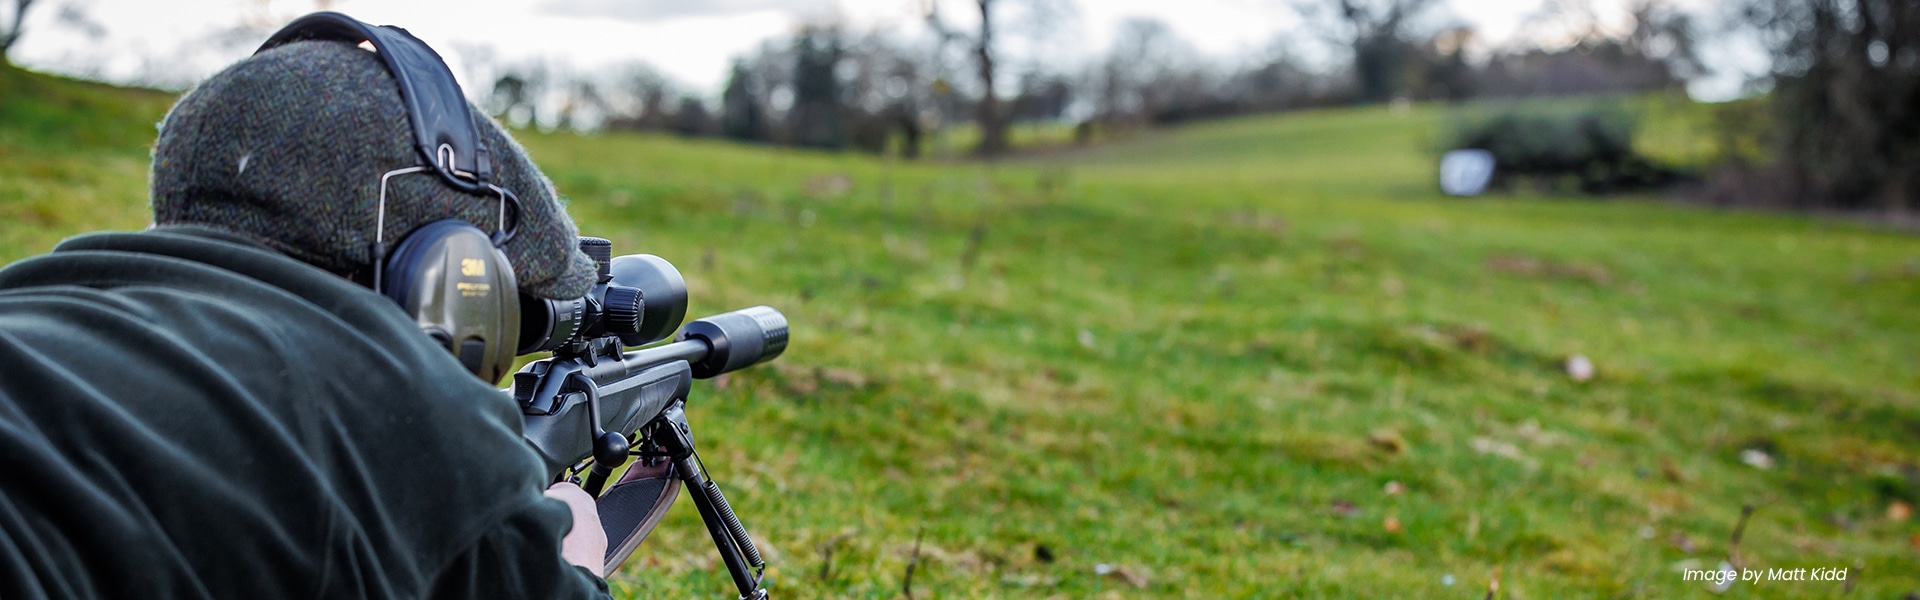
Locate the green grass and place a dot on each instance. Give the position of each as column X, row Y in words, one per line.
column 1202, row 355
column 73, row 158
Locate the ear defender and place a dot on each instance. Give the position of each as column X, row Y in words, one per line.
column 460, row 290
column 449, row 276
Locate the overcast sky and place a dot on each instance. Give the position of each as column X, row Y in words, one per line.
column 177, row 42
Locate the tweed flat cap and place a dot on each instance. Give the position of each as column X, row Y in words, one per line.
column 288, row 147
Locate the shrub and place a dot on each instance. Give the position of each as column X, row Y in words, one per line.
column 1591, row 150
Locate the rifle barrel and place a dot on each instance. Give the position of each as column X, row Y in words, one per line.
column 693, row 350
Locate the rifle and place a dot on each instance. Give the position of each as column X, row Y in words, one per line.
column 594, row 405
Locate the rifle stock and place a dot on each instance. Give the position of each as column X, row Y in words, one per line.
column 591, row 407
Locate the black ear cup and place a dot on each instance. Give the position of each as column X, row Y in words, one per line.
column 459, row 288
column 448, row 275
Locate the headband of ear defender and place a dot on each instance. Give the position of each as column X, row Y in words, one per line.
column 443, row 128
column 451, row 277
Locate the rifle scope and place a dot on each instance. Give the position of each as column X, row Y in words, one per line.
column 639, row 298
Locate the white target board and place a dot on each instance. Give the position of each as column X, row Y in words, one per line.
column 1465, row 172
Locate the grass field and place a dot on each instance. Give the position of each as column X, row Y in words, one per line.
column 1249, row 358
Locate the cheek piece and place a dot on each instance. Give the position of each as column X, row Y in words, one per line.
column 450, row 276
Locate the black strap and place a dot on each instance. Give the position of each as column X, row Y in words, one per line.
column 439, row 112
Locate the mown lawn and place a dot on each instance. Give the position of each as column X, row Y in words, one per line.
column 1249, row 358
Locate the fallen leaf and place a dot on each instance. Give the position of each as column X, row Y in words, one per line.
column 1595, row 274
column 1812, row 545
column 1517, row 265
column 1388, row 440
column 1344, row 508
column 1134, row 576
column 1471, row 339
column 804, row 386
column 1684, row 543
column 1672, row 471
column 798, row 380
column 1392, row 525
column 1839, row 520
column 1899, row 511
column 1502, row 449
column 1533, row 433
column 829, row 186
column 1530, row 266
column 1030, row 580
column 846, row 377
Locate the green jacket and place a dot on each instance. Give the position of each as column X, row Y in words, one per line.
column 187, row 414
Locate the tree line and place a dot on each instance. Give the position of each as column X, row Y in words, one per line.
column 1838, row 116
column 827, row 86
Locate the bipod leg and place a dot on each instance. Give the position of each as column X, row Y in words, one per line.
column 729, row 535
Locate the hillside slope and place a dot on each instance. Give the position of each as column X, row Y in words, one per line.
column 1249, row 358
column 73, row 157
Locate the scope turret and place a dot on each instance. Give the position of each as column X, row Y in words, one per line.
column 638, row 298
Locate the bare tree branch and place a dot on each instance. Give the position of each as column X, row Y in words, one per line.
column 13, row 29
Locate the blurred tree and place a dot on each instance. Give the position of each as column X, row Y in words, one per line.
column 1378, row 34
column 516, row 95
column 693, row 119
column 885, row 90
column 816, row 119
column 771, row 69
column 1448, row 76
column 993, row 125
column 12, row 31
column 1039, row 15
column 1151, row 75
column 1274, row 83
column 651, row 90
column 1043, row 97
column 1657, row 53
column 742, row 115
column 640, row 100
column 582, row 106
column 1142, row 54
column 72, row 15
column 1846, row 77
column 910, row 131
column 1664, row 34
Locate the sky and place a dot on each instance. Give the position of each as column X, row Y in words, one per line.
column 175, row 43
